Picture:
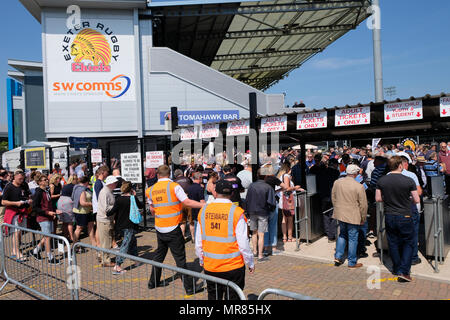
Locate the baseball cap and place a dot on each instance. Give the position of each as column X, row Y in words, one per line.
column 352, row 169
column 224, row 187
column 404, row 154
column 110, row 180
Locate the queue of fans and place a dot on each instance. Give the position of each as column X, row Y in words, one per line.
column 349, row 182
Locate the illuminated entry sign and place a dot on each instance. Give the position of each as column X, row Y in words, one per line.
column 403, row 111
column 312, row 120
column 352, row 117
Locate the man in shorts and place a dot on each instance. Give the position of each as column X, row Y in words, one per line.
column 260, row 202
column 17, row 201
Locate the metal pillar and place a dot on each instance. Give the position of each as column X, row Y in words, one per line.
column 50, row 160
column 253, row 106
column 68, row 161
column 174, row 127
column 303, row 163
column 377, row 57
column 141, row 147
column 89, row 160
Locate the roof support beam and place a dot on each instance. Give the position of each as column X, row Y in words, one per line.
column 258, row 9
column 259, row 69
column 266, row 54
column 267, row 32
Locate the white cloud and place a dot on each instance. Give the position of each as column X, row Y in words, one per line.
column 339, row 63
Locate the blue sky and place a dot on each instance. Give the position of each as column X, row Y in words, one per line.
column 415, row 43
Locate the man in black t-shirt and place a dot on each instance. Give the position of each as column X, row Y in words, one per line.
column 396, row 191
column 197, row 193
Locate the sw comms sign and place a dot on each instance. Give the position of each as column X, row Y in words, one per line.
column 93, row 61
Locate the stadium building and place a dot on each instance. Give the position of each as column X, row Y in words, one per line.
column 118, row 70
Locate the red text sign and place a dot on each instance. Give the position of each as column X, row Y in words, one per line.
column 403, row 111
column 312, row 120
column 352, row 117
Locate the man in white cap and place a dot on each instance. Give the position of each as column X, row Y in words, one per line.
column 350, row 209
column 105, row 224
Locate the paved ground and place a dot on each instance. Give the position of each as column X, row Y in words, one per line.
column 309, row 275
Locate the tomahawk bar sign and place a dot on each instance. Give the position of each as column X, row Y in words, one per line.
column 403, row 111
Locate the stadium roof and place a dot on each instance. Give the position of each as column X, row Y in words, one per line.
column 257, row 42
column 431, row 124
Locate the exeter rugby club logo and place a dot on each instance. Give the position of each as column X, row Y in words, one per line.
column 92, row 49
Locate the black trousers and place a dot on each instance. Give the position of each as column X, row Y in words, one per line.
column 221, row 292
column 329, row 223
column 447, row 184
column 174, row 241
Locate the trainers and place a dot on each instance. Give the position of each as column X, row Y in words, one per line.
column 404, row 278
column 36, row 256
column 363, row 255
column 54, row 261
column 263, row 259
column 418, row 261
column 118, row 273
column 276, row 252
column 337, row 262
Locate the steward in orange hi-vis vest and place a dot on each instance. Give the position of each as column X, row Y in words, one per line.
column 218, row 223
column 166, row 204
column 166, row 199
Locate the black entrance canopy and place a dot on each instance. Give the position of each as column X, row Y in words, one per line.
column 432, row 122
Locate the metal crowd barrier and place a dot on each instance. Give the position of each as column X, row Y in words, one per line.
column 40, row 277
column 92, row 281
column 302, row 210
column 436, row 225
column 381, row 230
column 283, row 293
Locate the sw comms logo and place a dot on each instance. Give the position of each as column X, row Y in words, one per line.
column 92, row 48
column 115, row 84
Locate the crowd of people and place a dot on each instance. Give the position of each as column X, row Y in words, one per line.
column 349, row 181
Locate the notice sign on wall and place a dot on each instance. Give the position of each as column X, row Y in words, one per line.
column 312, row 120
column 238, row 128
column 131, row 167
column 96, row 155
column 403, row 111
column 209, row 130
column 154, row 159
column 352, row 117
column 445, row 107
column 274, row 124
column 189, row 133
column 35, row 158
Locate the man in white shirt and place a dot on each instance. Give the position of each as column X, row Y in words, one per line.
column 221, row 242
column 246, row 177
column 166, row 198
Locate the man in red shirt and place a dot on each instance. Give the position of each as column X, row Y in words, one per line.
column 444, row 160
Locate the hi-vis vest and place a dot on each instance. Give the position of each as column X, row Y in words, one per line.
column 166, row 204
column 218, row 223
